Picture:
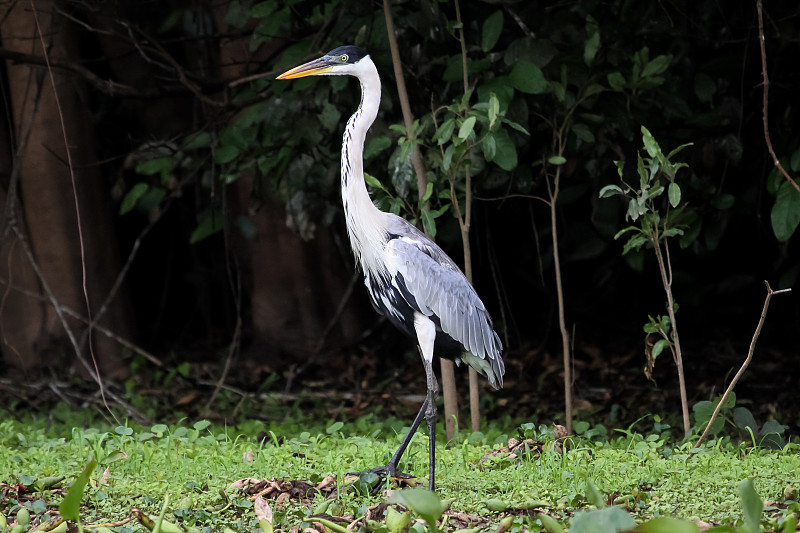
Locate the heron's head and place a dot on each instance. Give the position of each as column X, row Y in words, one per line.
column 339, row 61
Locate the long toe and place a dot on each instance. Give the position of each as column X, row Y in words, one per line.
column 383, row 473
column 388, row 471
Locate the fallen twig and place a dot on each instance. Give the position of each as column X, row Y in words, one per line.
column 746, row 363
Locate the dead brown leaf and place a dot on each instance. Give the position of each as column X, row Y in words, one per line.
column 262, row 509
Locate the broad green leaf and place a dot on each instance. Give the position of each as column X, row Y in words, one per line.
column 424, row 503
column 702, row 414
column 666, row 524
column 271, row 26
column 550, row 523
column 590, row 48
column 494, row 109
column 633, row 209
column 616, row 80
column 396, row 521
column 447, row 159
column 580, row 426
column 505, row 152
column 656, row 66
column 556, row 160
column 752, row 507
column 594, row 495
column 200, row 425
column 583, row 132
column 133, row 195
column 650, row 143
column 500, row 86
column 528, row 78
column 445, row 131
column 591, row 90
column 489, row 147
column 610, row 190
column 151, row 198
column 723, row 201
column 37, row 507
column 790, row 524
column 620, row 167
column 678, row 149
column 226, row 154
column 158, row 165
column 116, row 455
column 644, row 176
column 659, row 347
column 743, row 418
column 634, row 243
column 607, row 520
column 466, row 127
column 730, row 400
column 210, row 224
column 674, row 193
column 372, row 181
column 560, row 91
column 329, row 116
column 428, row 192
column 254, row 114
column 70, row 507
column 376, row 145
column 773, row 426
column 785, row 214
column 671, row 232
column 516, row 126
column 201, row 139
column 436, row 213
column 492, row 29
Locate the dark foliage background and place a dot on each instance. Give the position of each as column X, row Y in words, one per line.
column 220, row 188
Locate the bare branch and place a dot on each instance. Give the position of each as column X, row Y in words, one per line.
column 765, row 77
column 106, row 86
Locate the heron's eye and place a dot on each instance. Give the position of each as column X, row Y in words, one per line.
column 344, row 58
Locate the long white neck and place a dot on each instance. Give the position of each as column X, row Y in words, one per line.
column 365, row 222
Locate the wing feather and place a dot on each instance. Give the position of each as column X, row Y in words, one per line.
column 437, row 288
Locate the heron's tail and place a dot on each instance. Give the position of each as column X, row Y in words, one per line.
column 492, row 368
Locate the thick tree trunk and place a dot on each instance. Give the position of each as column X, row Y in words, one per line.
column 295, row 286
column 47, row 199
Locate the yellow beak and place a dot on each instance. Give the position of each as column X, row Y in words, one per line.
column 312, row 68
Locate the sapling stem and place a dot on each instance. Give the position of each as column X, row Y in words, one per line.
column 666, row 279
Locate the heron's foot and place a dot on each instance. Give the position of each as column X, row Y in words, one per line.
column 382, row 475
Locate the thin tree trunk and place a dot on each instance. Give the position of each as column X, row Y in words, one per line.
column 562, row 324
column 474, row 398
column 448, row 373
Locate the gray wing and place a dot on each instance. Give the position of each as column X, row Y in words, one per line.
column 433, row 285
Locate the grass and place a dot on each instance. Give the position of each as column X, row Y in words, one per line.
column 195, row 463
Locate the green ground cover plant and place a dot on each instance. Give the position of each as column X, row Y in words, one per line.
column 199, row 477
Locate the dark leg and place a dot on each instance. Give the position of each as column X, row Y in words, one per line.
column 430, row 416
column 399, row 453
column 391, row 468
